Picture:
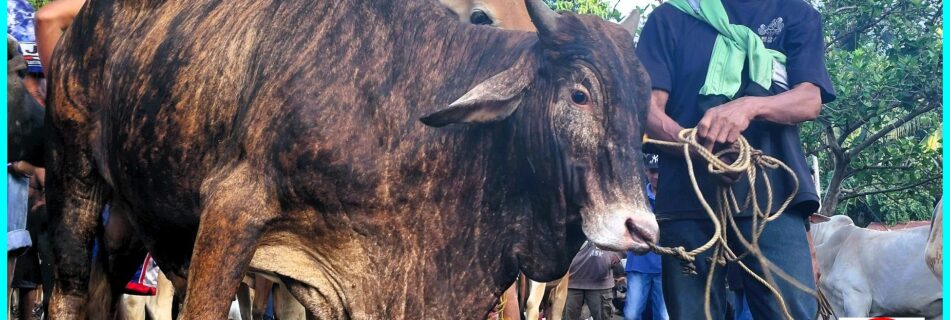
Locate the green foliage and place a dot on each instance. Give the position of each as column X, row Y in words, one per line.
column 882, row 133
column 39, row 3
column 599, row 8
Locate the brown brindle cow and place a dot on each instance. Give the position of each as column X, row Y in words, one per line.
column 283, row 137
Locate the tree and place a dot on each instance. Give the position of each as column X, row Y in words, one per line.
column 598, row 8
column 38, row 3
column 879, row 143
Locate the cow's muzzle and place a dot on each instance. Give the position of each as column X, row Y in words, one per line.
column 622, row 228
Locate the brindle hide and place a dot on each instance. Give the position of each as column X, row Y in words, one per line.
column 292, row 128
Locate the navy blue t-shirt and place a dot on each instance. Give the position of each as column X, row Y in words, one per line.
column 675, row 49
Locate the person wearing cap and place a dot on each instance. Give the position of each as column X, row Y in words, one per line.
column 732, row 68
column 20, row 26
column 644, row 274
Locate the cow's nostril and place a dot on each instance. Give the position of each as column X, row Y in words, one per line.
column 639, row 233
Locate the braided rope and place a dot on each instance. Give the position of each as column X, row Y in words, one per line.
column 749, row 161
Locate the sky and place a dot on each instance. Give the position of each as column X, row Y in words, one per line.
column 624, row 6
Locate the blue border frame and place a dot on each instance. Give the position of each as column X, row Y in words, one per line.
column 945, row 151
column 4, row 308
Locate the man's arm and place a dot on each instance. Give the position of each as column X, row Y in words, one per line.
column 51, row 21
column 724, row 124
column 659, row 125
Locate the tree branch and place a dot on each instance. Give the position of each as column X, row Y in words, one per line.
column 837, row 11
column 866, row 193
column 852, row 172
column 851, row 127
column 815, row 150
column 831, row 140
column 861, row 28
column 890, row 127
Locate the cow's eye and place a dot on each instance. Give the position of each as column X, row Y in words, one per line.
column 480, row 17
column 580, row 97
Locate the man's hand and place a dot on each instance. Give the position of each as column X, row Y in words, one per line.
column 724, row 124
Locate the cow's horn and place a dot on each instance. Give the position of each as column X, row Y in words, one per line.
column 545, row 19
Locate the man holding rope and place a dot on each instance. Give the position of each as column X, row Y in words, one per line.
column 729, row 68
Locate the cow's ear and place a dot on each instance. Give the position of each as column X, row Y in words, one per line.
column 492, row 100
column 818, row 218
column 632, row 22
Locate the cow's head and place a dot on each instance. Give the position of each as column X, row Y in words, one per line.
column 505, row 14
column 577, row 103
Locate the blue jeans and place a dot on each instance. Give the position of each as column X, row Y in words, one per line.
column 783, row 242
column 640, row 288
column 742, row 306
column 18, row 188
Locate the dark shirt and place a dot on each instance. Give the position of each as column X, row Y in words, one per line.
column 590, row 269
column 675, row 49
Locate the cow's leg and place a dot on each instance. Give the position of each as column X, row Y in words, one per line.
column 75, row 198
column 237, row 206
column 159, row 306
column 559, row 297
column 288, row 307
column 244, row 299
column 535, row 293
column 132, row 307
column 125, row 252
column 512, row 310
column 262, row 293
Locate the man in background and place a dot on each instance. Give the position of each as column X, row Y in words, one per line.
column 644, row 276
column 591, row 283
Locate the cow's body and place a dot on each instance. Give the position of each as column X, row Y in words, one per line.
column 288, row 132
column 875, row 273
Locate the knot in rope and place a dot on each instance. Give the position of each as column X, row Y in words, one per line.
column 689, row 267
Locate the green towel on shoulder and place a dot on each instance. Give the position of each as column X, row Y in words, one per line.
column 734, row 45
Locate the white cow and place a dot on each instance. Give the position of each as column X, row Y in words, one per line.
column 875, row 273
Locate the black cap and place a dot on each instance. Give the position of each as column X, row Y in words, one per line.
column 651, row 161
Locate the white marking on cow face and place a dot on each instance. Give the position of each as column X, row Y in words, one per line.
column 621, row 227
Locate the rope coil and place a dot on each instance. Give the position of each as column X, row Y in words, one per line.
column 749, row 161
